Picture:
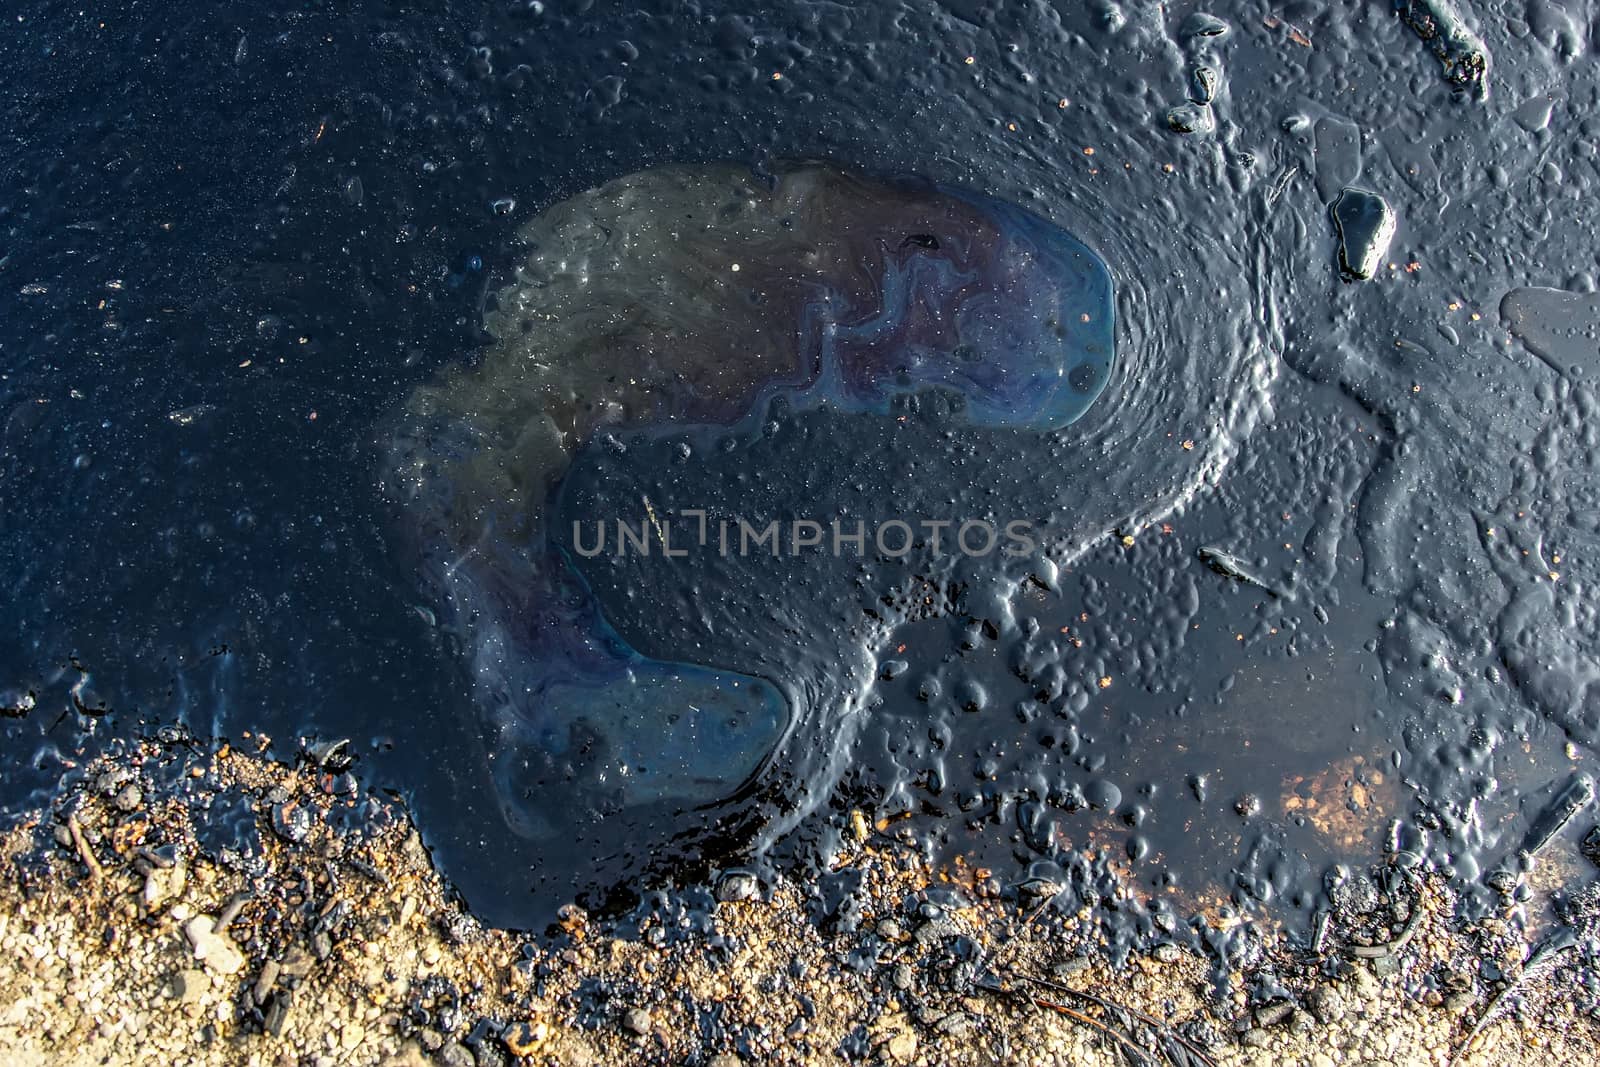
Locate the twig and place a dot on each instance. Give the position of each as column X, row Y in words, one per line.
column 1072, row 1013
column 230, row 911
column 84, row 853
column 1111, row 1005
column 1375, row 952
column 1542, row 957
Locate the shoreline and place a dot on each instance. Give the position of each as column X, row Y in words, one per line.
column 313, row 928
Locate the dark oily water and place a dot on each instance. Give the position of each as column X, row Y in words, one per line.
column 329, row 341
column 688, row 304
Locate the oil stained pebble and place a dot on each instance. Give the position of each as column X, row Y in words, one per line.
column 1192, row 118
column 1534, row 113
column 737, row 886
column 1103, row 794
column 1591, row 846
column 1460, row 51
column 1365, row 224
column 1201, row 24
column 291, row 821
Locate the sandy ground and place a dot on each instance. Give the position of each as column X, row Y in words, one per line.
column 130, row 938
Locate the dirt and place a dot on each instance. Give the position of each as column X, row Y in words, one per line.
column 345, row 946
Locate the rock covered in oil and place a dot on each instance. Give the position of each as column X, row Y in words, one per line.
column 1365, row 224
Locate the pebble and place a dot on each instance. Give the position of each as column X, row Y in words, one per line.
column 637, row 1021
column 1365, row 224
column 1202, row 24
column 737, row 886
column 215, row 950
column 277, row 1012
column 524, row 1038
column 162, row 884
column 291, row 821
column 1327, row 1004
column 265, row 981
column 1068, row 968
column 1273, row 1014
column 1192, row 118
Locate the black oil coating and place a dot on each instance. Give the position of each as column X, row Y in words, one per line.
column 230, row 243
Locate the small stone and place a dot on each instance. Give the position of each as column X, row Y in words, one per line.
column 162, row 884
column 1040, row 888
column 1192, row 118
column 265, row 981
column 215, row 950
column 737, row 886
column 1273, row 1014
column 1327, row 1004
column 901, row 977
column 1167, row 953
column 1201, row 24
column 1365, row 224
column 1254, row 1038
column 321, row 944
column 902, row 1047
column 455, row 1054
column 276, row 1014
column 525, row 1037
column 128, row 798
column 725, row 1059
column 1590, row 847
column 636, row 1021
column 1070, row 967
column 291, row 821
column 1367, row 987
column 1202, row 84
column 954, row 1024
column 1356, row 895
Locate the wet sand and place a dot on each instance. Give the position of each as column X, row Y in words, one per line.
column 342, row 944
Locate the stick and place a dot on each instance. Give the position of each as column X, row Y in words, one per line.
column 1111, row 1005
column 1542, row 957
column 1079, row 1016
column 95, row 873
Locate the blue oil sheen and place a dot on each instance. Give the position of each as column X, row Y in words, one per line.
column 913, row 288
